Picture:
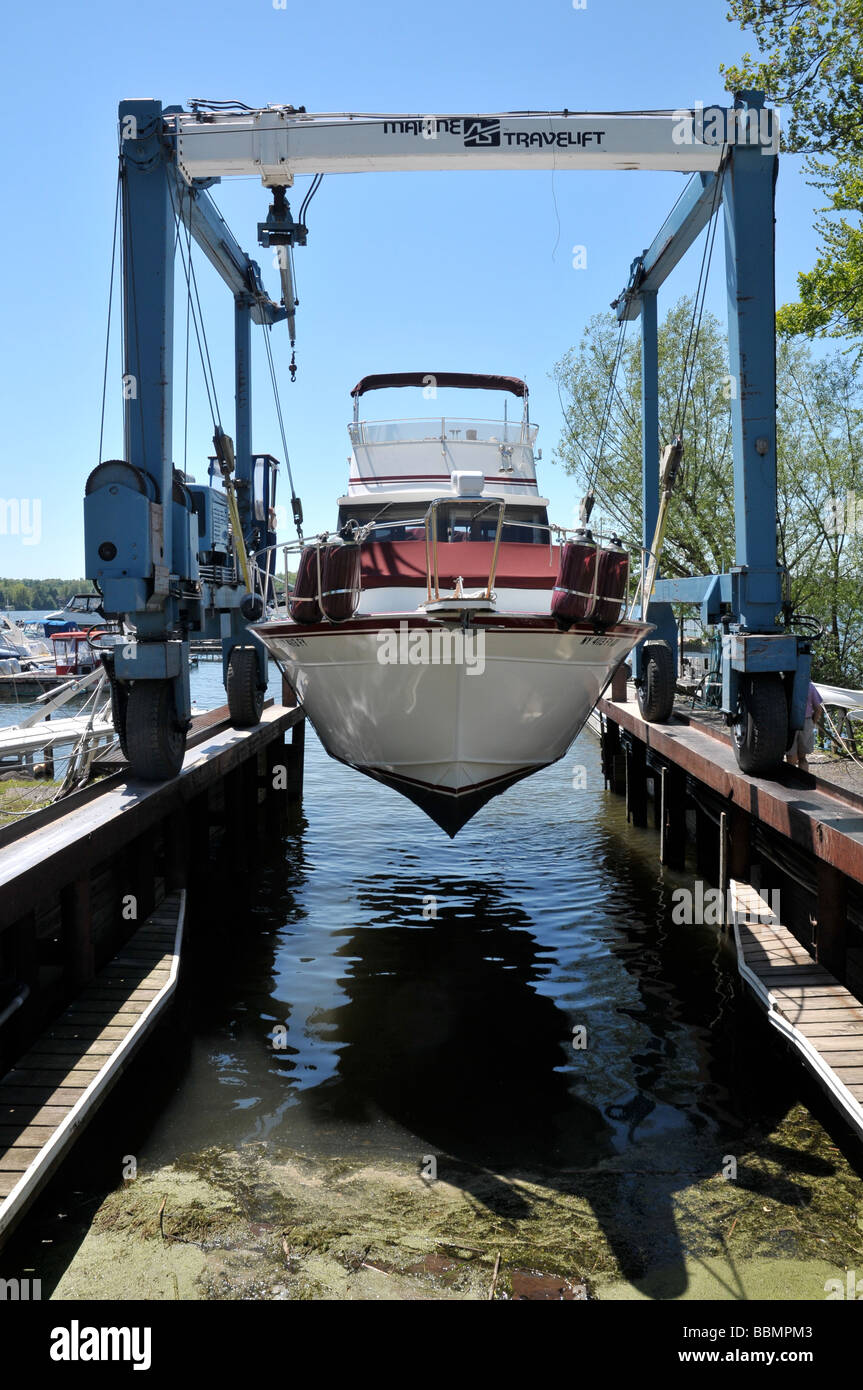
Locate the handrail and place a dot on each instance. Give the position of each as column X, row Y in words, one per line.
column 500, row 511
column 431, row 543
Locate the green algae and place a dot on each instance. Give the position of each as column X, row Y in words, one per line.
column 262, row 1222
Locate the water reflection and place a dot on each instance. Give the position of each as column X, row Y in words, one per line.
column 452, row 1035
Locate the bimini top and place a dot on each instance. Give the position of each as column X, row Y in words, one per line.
column 468, row 380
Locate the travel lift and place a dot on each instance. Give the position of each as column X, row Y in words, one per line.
column 765, row 666
column 173, row 558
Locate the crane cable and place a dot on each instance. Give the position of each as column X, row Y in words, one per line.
column 296, row 504
column 222, row 442
column 110, row 313
column 684, row 394
column 604, row 421
column 672, row 455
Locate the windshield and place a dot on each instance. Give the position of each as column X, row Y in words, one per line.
column 456, row 522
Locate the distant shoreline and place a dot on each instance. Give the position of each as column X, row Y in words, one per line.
column 37, row 595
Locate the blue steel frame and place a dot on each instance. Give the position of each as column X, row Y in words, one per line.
column 154, row 195
column 155, row 199
column 748, row 600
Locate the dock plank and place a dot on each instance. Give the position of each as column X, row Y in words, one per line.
column 18, row 1160
column 50, row 1093
column 828, row 1031
column 808, row 1005
column 57, row 1047
column 41, row 1095
column 19, row 1115
column 90, row 1032
column 63, row 1075
column 12, row 1136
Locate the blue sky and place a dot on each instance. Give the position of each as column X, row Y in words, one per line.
column 453, row 271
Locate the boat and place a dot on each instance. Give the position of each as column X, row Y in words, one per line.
column 79, row 611
column 17, row 645
column 77, row 652
column 446, row 639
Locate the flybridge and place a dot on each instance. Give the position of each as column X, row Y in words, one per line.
column 277, row 143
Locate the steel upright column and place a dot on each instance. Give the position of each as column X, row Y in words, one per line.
column 661, row 614
column 243, row 417
column 148, row 327
column 649, row 417
column 749, row 263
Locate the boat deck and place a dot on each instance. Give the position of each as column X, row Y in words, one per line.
column 55, row 1088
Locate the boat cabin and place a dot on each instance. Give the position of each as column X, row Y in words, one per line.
column 74, row 653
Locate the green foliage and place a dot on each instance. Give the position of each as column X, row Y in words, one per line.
column 819, row 467
column 812, row 66
column 694, row 543
column 820, row 478
column 37, row 595
column 831, row 293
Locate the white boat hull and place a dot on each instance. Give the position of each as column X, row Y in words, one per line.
column 390, row 697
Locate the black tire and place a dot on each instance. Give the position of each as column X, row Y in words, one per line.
column 119, row 714
column 760, row 728
column 656, row 691
column 245, row 693
column 155, row 739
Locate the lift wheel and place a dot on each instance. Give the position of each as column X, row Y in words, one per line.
column 155, row 739
column 245, row 694
column 656, row 691
column 760, row 728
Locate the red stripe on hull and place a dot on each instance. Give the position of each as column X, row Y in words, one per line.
column 501, row 622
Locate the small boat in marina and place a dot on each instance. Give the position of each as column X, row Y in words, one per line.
column 80, row 611
column 24, row 650
column 77, row 653
column 446, row 639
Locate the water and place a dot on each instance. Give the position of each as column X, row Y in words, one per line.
column 206, row 682
column 376, row 995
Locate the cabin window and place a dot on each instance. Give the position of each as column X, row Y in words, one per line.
column 457, row 522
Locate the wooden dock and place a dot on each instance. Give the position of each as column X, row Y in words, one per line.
column 802, row 837
column 58, row 1085
column 25, row 684
column 821, row 1019
column 78, row 994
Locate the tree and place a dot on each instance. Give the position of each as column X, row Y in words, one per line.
column 820, row 479
column 813, row 68
column 831, row 293
column 21, row 595
column 819, row 466
column 694, row 543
